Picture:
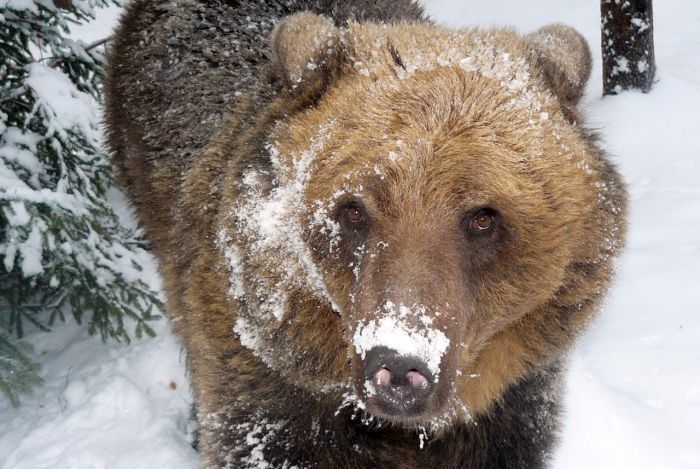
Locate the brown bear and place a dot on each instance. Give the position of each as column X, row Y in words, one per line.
column 379, row 236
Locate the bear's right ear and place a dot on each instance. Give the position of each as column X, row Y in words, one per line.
column 564, row 58
column 305, row 49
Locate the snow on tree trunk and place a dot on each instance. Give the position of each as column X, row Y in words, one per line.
column 628, row 45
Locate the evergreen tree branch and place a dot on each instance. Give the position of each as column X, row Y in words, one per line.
column 63, row 251
column 24, row 89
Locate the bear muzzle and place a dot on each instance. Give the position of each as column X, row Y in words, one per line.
column 399, row 385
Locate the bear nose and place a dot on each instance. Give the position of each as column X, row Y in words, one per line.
column 401, row 384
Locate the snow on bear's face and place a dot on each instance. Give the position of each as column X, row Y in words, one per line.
column 418, row 220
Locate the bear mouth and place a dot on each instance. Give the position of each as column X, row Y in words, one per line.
column 400, row 404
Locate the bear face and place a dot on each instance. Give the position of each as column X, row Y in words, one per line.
column 431, row 220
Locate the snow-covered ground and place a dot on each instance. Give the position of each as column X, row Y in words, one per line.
column 633, row 398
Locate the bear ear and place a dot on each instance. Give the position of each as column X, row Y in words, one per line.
column 304, row 48
column 564, row 58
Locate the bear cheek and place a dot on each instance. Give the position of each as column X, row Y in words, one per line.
column 518, row 273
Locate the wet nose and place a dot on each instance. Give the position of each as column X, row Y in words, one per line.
column 401, row 384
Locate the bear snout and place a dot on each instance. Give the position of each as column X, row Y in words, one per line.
column 400, row 384
column 401, row 365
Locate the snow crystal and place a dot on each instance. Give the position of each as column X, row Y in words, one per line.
column 350, row 399
column 270, row 224
column 261, row 433
column 358, row 254
column 31, row 251
column 17, row 215
column 621, row 66
column 322, row 220
column 640, row 24
column 65, row 106
column 249, row 336
column 233, row 259
column 393, row 329
column 20, row 5
column 370, row 390
column 422, row 437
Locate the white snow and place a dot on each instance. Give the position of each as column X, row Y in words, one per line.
column 640, row 24
column 112, row 406
column 633, row 388
column 259, row 435
column 233, row 259
column 621, row 66
column 56, row 95
column 406, row 330
column 20, row 5
column 31, row 251
column 270, row 224
column 249, row 336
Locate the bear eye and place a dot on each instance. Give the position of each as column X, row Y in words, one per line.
column 481, row 221
column 354, row 214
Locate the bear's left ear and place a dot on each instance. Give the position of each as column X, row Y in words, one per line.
column 305, row 48
column 564, row 58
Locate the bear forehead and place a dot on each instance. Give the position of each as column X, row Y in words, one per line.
column 457, row 136
column 446, row 106
column 462, row 116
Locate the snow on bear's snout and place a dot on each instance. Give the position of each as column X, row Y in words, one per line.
column 406, row 330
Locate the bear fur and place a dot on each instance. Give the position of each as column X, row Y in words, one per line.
column 320, row 179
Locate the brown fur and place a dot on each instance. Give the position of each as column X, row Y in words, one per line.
column 394, row 118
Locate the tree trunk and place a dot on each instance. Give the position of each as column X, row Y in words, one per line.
column 64, row 4
column 627, row 40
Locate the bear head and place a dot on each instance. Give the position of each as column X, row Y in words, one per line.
column 431, row 224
